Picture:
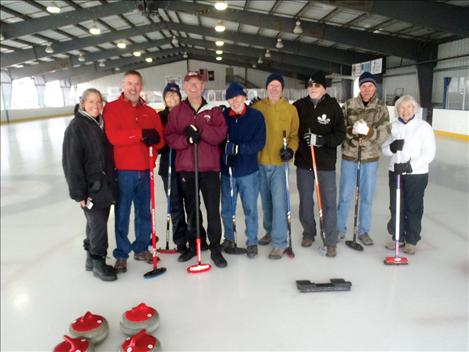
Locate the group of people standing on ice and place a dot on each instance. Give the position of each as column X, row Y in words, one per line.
column 243, row 150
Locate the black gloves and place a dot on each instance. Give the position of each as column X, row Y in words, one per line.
column 230, row 160
column 150, row 137
column 286, row 154
column 396, row 145
column 193, row 134
column 401, row 168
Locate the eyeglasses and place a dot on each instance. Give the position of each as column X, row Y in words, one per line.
column 314, row 84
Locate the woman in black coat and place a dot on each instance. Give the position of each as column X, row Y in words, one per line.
column 89, row 171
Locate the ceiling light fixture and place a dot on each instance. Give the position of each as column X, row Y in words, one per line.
column 53, row 8
column 254, row 65
column 117, row 69
column 102, row 64
column 219, row 43
column 279, row 44
column 137, row 53
column 49, row 49
column 298, row 29
column 121, row 45
column 260, row 60
column 267, row 53
column 94, row 30
column 220, row 27
column 175, row 40
column 81, row 58
column 149, row 59
column 184, row 55
column 220, row 5
column 219, row 52
column 219, row 58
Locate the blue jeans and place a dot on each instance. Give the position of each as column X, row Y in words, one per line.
column 274, row 203
column 348, row 180
column 133, row 186
column 248, row 189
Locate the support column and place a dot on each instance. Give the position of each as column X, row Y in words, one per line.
column 40, row 84
column 425, row 81
column 5, row 90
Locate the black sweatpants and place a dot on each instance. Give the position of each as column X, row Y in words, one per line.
column 96, row 241
column 411, row 212
column 209, row 185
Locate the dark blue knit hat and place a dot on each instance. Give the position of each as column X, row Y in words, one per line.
column 275, row 77
column 366, row 77
column 171, row 87
column 234, row 89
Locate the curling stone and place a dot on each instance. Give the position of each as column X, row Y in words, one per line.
column 71, row 344
column 138, row 318
column 141, row 342
column 93, row 327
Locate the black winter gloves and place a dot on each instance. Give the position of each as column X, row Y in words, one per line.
column 401, row 168
column 396, row 145
column 192, row 134
column 150, row 137
column 286, row 154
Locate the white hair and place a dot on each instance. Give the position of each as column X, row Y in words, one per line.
column 406, row 99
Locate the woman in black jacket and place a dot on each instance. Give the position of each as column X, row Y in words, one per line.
column 89, row 170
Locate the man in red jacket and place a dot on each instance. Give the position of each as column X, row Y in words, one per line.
column 193, row 122
column 132, row 127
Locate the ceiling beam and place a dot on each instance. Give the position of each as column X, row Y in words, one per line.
column 37, row 52
column 431, row 14
column 32, row 26
column 380, row 43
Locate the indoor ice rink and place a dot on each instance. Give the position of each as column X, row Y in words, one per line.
column 252, row 304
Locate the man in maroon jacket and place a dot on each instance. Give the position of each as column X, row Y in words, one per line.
column 193, row 122
column 132, row 127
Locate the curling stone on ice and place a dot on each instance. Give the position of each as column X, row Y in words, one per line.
column 90, row 326
column 71, row 344
column 141, row 342
column 138, row 318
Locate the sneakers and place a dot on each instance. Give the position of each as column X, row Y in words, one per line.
column 145, row 256
column 120, row 266
column 331, row 251
column 187, row 255
column 103, row 271
column 365, row 239
column 307, row 242
column 277, row 253
column 218, row 259
column 409, row 248
column 251, row 251
column 264, row 241
column 391, row 245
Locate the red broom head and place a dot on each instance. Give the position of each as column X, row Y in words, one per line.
column 198, row 268
column 396, row 261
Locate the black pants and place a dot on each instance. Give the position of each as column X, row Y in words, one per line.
column 96, row 241
column 178, row 217
column 209, row 184
column 411, row 212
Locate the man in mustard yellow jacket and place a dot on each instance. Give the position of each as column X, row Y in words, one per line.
column 279, row 116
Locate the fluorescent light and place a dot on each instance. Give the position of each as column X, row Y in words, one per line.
column 219, row 58
column 220, row 27
column 279, row 44
column 53, row 8
column 95, row 30
column 220, row 5
column 49, row 49
column 121, row 45
column 219, row 52
column 149, row 59
column 267, row 53
column 137, row 53
column 219, row 43
column 298, row 29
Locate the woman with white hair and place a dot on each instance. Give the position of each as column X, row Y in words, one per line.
column 411, row 146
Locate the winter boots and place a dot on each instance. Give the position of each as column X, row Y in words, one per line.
column 102, row 270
